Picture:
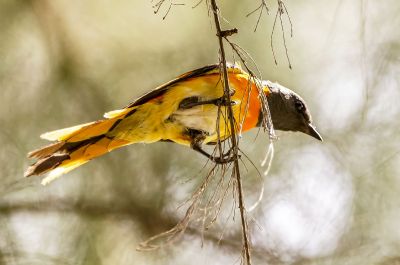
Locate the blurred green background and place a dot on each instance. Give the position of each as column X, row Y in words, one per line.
column 67, row 62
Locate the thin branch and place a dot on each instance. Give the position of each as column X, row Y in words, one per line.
column 281, row 10
column 171, row 235
column 210, row 206
column 261, row 7
column 197, row 4
column 233, row 139
column 160, row 3
column 279, row 13
column 243, row 55
column 272, row 38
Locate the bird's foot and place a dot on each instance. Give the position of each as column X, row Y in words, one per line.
column 223, row 160
column 191, row 102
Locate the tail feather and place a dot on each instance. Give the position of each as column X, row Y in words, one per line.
column 62, row 157
column 87, row 130
column 117, row 113
column 80, row 132
column 45, row 164
column 75, row 146
column 60, row 170
column 46, row 151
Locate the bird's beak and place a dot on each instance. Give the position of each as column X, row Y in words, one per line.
column 312, row 131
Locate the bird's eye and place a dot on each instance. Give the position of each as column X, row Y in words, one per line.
column 299, row 106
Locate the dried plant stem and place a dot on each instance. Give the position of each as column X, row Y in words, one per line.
column 233, row 139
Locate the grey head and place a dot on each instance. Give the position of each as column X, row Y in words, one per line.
column 289, row 112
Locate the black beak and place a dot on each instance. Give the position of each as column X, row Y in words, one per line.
column 312, row 131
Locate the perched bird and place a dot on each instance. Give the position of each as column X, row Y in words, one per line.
column 184, row 111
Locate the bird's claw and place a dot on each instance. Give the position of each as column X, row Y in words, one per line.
column 223, row 160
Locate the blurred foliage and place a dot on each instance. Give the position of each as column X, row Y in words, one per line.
column 64, row 63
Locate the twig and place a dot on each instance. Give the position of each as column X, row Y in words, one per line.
column 261, row 8
column 211, row 207
column 160, row 3
column 197, row 4
column 171, row 235
column 233, row 140
column 243, row 55
column 280, row 11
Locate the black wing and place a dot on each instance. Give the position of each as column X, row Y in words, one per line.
column 159, row 91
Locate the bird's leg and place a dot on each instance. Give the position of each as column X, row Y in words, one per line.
column 191, row 102
column 197, row 140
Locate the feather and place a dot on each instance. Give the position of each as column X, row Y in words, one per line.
column 46, row 151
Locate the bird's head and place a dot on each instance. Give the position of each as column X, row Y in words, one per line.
column 289, row 112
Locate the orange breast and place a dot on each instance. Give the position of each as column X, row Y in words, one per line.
column 248, row 111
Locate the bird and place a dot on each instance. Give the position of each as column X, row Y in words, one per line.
column 183, row 111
